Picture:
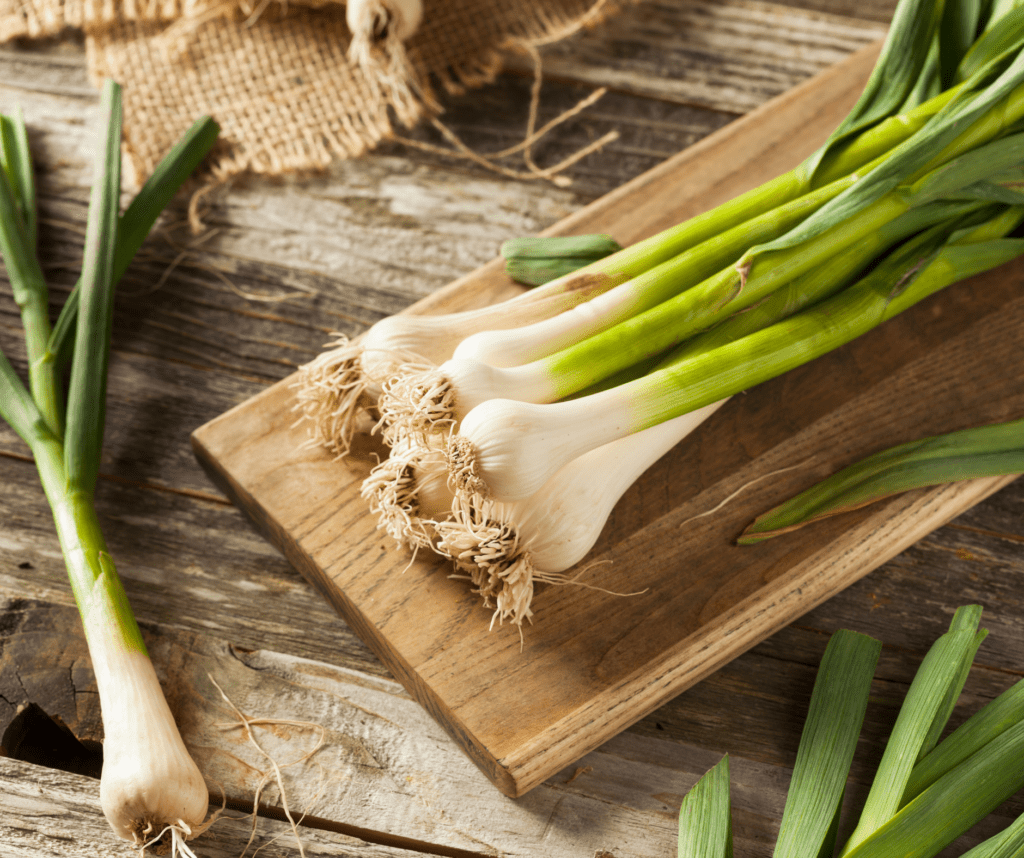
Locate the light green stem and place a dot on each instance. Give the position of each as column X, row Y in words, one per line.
column 31, row 296
column 881, row 295
column 863, row 149
column 718, row 297
column 97, row 589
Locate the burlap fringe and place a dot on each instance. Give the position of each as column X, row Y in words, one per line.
column 280, row 81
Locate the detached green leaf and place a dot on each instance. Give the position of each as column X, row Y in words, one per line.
column 536, row 260
column 966, row 619
column 981, row 728
column 834, row 719
column 1008, row 843
column 705, row 820
column 984, row 451
column 955, row 802
column 559, row 246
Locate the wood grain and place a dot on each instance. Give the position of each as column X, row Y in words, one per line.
column 45, row 813
column 594, row 663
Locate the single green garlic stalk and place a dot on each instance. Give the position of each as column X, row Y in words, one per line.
column 151, row 790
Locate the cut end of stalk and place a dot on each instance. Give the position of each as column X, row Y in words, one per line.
column 334, row 397
column 416, row 404
column 462, row 467
column 391, row 490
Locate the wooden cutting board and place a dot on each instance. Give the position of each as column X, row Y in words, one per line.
column 592, row 663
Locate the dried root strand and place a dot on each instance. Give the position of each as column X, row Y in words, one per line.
column 334, row 397
column 393, row 491
column 416, row 403
column 462, row 468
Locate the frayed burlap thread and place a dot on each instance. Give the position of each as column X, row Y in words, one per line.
column 280, row 83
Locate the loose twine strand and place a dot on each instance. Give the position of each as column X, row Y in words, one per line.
column 490, row 161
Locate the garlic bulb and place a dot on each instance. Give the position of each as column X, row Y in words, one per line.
column 150, row 786
column 505, row 548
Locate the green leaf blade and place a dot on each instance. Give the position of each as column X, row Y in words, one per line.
column 829, row 739
column 926, row 705
column 87, row 390
column 955, row 802
column 138, row 219
column 981, row 728
column 17, row 162
column 984, row 451
column 705, row 819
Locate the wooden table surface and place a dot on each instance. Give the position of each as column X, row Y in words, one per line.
column 203, row 323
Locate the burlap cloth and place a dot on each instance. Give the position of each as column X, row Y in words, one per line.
column 278, row 78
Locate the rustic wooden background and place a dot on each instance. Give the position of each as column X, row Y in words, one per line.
column 205, row 322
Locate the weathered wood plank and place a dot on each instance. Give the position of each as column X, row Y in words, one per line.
column 44, row 812
column 730, row 56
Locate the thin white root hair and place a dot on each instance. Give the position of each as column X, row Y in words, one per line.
column 332, row 395
column 747, row 485
column 416, row 403
column 180, row 831
column 246, row 723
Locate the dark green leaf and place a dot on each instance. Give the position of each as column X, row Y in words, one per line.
column 140, row 216
column 896, row 73
column 961, row 21
column 1003, row 36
